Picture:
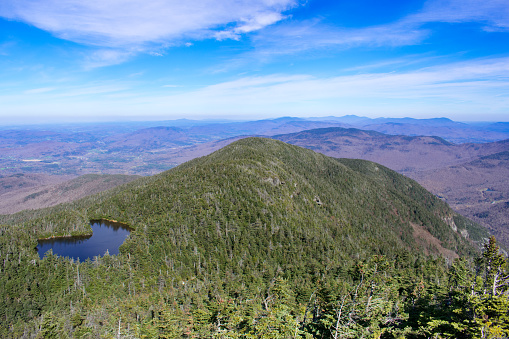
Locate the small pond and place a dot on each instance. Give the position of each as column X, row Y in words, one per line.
column 107, row 236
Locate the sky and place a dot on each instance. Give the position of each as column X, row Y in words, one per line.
column 97, row 60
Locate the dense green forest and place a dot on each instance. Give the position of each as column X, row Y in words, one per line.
column 260, row 239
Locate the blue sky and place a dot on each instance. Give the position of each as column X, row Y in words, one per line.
column 96, row 60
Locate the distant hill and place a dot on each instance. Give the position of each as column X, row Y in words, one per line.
column 21, row 181
column 266, row 127
column 453, row 131
column 402, row 153
column 501, row 127
column 149, row 139
column 146, row 148
column 34, row 191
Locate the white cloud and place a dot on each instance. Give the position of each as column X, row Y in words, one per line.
column 124, row 23
column 250, row 24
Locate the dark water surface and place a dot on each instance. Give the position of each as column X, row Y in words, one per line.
column 107, row 236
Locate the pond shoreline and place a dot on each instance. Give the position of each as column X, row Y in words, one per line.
column 106, row 236
column 80, row 235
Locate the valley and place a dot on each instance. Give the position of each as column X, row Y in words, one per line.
column 148, row 148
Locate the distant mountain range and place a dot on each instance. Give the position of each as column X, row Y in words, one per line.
column 146, row 148
column 398, row 152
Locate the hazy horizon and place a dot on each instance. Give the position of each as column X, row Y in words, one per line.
column 69, row 60
column 211, row 120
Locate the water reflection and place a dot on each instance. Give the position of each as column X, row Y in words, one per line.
column 107, row 236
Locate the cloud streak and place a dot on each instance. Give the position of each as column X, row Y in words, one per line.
column 39, row 90
column 481, row 83
column 296, row 37
column 292, row 37
column 124, row 23
column 493, row 14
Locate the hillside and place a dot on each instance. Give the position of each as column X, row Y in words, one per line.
column 276, row 183
column 257, row 231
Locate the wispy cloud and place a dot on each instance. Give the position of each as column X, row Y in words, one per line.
column 39, row 90
column 90, row 91
column 106, row 57
column 124, row 23
column 5, row 47
column 397, row 63
column 493, row 14
column 292, row 37
column 299, row 38
column 296, row 37
column 479, row 83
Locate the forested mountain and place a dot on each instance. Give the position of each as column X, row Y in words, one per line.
column 260, row 239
